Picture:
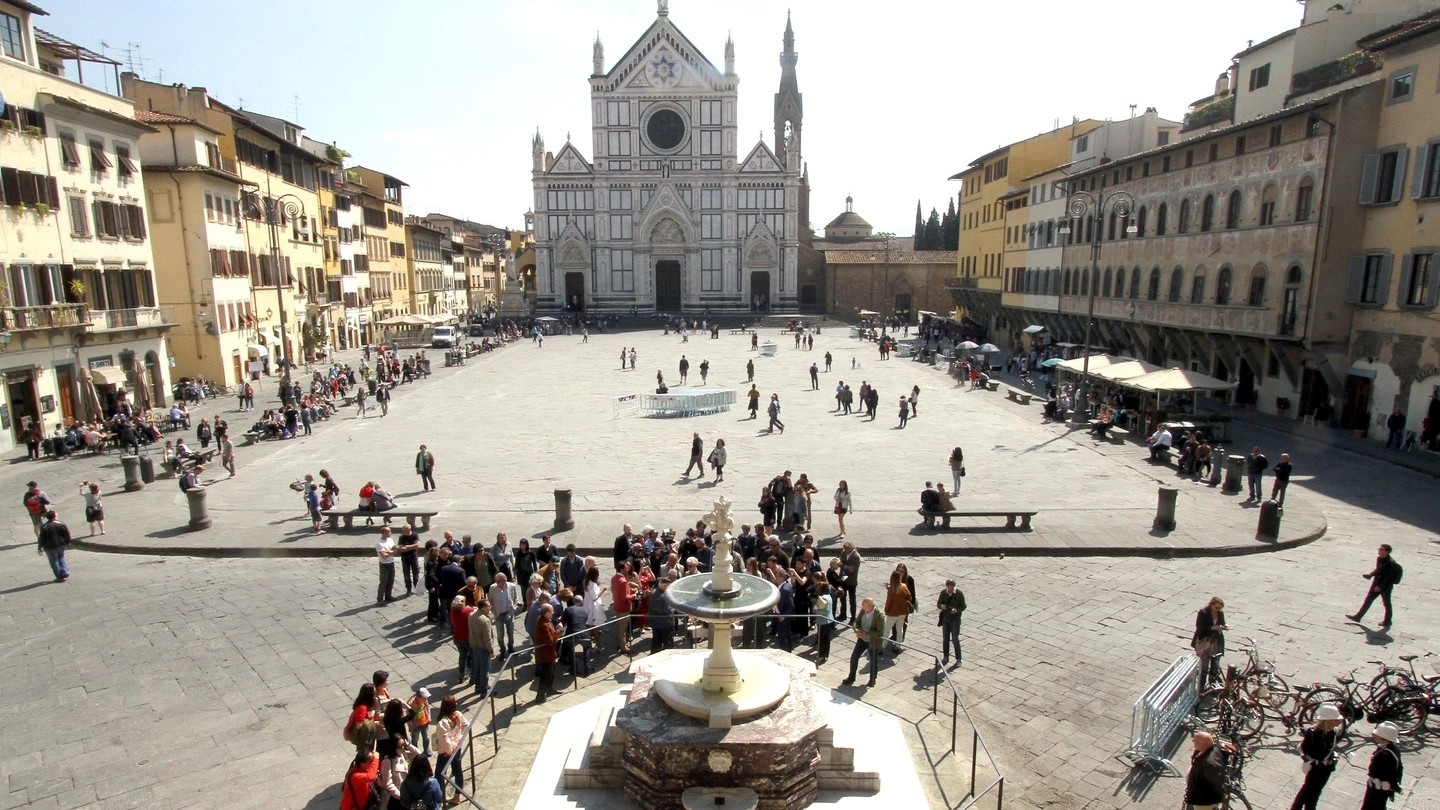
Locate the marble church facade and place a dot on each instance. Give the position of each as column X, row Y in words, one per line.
column 671, row 215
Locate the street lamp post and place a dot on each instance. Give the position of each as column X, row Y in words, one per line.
column 275, row 210
column 1116, row 204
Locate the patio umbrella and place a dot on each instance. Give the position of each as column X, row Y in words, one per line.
column 1051, row 363
column 547, row 318
column 864, row 313
column 1097, row 361
column 988, row 348
column 1117, row 372
column 1178, row 379
column 967, row 345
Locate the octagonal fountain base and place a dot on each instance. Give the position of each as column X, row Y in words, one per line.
column 775, row 752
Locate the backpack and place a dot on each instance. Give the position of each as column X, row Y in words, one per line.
column 1399, row 572
column 32, row 502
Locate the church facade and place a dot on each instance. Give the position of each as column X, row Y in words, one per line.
column 671, row 215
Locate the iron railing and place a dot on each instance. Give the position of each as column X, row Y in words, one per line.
column 958, row 709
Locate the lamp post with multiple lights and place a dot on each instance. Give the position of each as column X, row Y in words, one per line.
column 1100, row 205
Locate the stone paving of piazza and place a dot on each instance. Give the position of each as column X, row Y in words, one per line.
column 167, row 681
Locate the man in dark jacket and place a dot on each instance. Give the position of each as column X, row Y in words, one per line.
column 930, row 498
column 1282, row 479
column 660, row 618
column 1382, row 580
column 1255, row 466
column 1317, row 756
column 54, row 538
column 622, row 545
column 1205, row 784
column 451, row 578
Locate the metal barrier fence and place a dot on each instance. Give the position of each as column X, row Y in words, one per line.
column 627, row 405
column 958, row 710
column 1158, row 714
column 687, row 403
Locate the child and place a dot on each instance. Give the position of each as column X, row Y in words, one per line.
column 312, row 504
column 420, row 725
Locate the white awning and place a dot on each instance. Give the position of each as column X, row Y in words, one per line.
column 255, row 348
column 107, row 375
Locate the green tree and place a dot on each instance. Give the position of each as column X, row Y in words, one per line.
column 950, row 229
column 919, row 227
column 933, row 239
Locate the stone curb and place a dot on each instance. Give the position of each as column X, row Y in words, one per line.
column 364, row 550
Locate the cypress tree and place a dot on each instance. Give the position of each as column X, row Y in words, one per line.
column 933, row 239
column 919, row 227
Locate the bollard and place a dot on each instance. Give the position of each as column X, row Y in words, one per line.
column 563, row 520
column 147, row 469
column 199, row 515
column 1215, row 469
column 1165, row 509
column 1234, row 467
column 132, row 473
column 1269, row 526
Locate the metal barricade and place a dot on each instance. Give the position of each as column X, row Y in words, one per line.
column 627, row 405
column 1160, row 712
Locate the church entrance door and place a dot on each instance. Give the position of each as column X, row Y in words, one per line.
column 574, row 292
column 760, row 291
column 667, row 286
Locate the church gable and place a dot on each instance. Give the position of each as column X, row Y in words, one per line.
column 662, row 59
column 569, row 161
column 761, row 159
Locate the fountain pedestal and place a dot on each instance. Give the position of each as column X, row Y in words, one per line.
column 775, row 752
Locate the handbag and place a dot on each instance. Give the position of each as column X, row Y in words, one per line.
column 1207, row 647
column 962, row 471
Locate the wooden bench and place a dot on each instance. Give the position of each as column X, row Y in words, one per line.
column 741, row 331
column 419, row 520
column 993, row 385
column 1022, row 397
column 1010, row 516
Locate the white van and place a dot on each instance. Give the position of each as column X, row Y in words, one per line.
column 443, row 337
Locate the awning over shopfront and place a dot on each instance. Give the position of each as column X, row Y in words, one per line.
column 1033, row 329
column 1178, row 379
column 108, row 375
column 255, row 349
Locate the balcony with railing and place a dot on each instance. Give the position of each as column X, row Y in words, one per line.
column 1214, row 318
column 112, row 320
column 54, row 316
column 1328, row 74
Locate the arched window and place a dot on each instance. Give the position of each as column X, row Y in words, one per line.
column 1162, row 220
column 1113, row 220
column 1256, row 298
column 1050, row 233
column 1183, row 226
column 1089, row 229
column 1293, row 275
column 1109, row 282
column 1095, row 280
column 1140, row 223
column 1084, row 282
column 1135, row 283
column 1232, row 211
column 1267, row 205
column 1207, row 213
column 1177, row 284
column 1053, row 284
column 1067, row 281
column 1197, row 286
column 1304, row 199
column 1222, row 286
column 1153, row 294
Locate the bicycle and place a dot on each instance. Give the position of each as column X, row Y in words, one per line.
column 1407, row 711
column 1233, row 781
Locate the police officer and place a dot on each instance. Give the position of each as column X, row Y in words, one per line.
column 1383, row 776
column 1317, row 756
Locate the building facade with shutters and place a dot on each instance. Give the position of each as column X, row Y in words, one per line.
column 673, row 214
column 1394, row 276
column 81, row 328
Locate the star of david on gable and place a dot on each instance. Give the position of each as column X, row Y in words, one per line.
column 663, row 70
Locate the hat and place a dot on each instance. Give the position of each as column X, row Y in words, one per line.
column 423, row 692
column 1387, row 731
column 1328, row 711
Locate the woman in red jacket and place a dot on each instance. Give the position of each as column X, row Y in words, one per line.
column 355, row 792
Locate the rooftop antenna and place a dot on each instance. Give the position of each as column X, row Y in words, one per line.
column 1132, row 110
column 295, row 106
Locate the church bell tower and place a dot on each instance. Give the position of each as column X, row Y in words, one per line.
column 788, row 105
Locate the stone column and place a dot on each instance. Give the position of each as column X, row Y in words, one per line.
column 1165, row 509
column 132, row 473
column 563, row 519
column 199, row 515
column 1234, row 468
column 1268, row 527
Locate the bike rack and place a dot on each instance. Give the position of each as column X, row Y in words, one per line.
column 1159, row 713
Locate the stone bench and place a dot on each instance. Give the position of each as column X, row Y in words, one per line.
column 1016, row 395
column 419, row 520
column 992, row 385
column 1010, row 516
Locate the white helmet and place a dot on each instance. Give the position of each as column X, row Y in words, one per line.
column 1388, row 732
column 1328, row 711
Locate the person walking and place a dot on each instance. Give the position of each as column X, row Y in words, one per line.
column 774, row 411
column 1395, row 425
column 684, row 369
column 828, row 360
column 1383, row 578
column 385, row 551
column 697, row 455
column 704, row 370
column 869, row 633
column 1317, row 756
column 717, row 460
column 1209, row 639
column 407, row 545
column 1382, row 781
column 36, row 503
column 843, row 505
column 897, row 609
column 957, row 469
column 750, row 371
column 1255, row 466
column 1204, row 784
column 425, row 468
column 94, row 509
column 632, row 359
column 914, row 401
column 904, row 412
column 312, row 507
column 1282, row 479
column 382, row 398
column 360, row 401
column 814, row 377
column 52, row 541
column 227, row 454
column 951, row 605
column 754, row 395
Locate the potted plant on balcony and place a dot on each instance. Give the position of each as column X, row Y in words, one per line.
column 6, row 125
column 1282, row 406
column 42, row 210
column 35, row 131
column 77, row 290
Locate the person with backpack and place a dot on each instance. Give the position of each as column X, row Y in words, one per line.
column 421, row 789
column 355, row 792
column 1383, row 579
column 54, row 538
column 36, row 502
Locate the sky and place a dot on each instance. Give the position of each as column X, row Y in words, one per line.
column 898, row 96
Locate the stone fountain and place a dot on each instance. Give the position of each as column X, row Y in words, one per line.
column 720, row 727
